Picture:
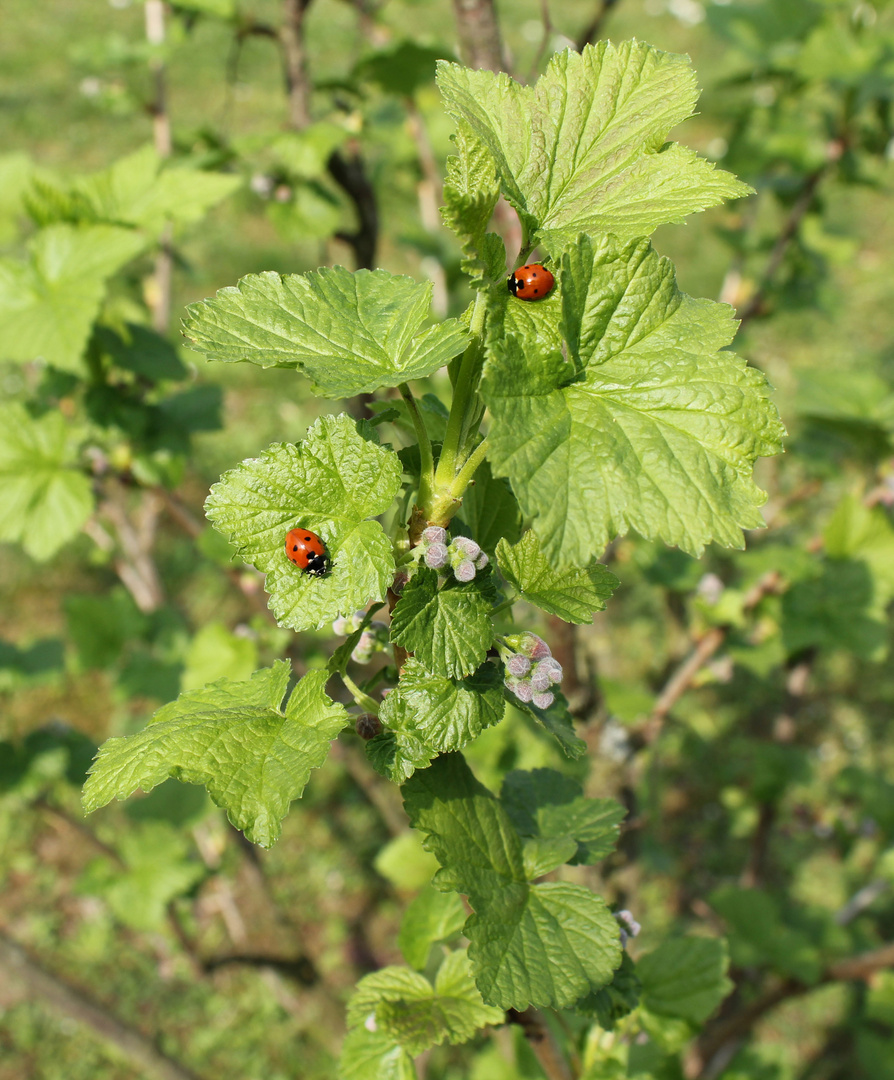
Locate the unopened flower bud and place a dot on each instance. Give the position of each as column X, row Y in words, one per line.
column 434, row 534
column 482, row 560
column 524, row 691
column 518, row 664
column 549, row 667
column 467, row 546
column 436, row 556
column 465, row 571
column 529, row 645
column 544, row 700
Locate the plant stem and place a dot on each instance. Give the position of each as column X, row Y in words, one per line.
column 465, row 474
column 363, row 700
column 504, row 605
column 462, row 396
column 425, row 453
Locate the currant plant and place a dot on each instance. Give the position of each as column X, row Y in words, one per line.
column 612, row 403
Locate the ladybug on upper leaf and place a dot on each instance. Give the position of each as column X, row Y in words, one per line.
column 531, row 282
column 307, row 551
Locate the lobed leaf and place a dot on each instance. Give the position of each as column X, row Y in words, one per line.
column 44, row 497
column 350, row 333
column 428, row 714
column 583, row 151
column 49, row 303
column 418, row 1015
column 544, row 803
column 447, row 627
column 253, row 753
column 331, row 483
column 530, row 944
column 571, row 593
column 657, row 430
column 685, row 977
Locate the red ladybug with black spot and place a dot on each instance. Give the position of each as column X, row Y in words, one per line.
column 307, row 551
column 531, row 282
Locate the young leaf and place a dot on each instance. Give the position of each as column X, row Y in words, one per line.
column 49, row 304
column 544, row 803
column 530, row 944
column 331, row 483
column 417, row 1015
column 471, row 192
column 427, row 714
column 432, row 917
column 372, row 1055
column 447, row 628
column 685, row 977
column 253, row 754
column 44, row 497
column 583, row 150
column 349, row 332
column 659, row 432
column 572, row 594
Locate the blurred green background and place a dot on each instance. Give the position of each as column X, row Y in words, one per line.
column 766, row 806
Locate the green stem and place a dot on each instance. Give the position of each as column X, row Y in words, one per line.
column 363, row 700
column 504, row 606
column 462, row 396
column 465, row 474
column 425, row 451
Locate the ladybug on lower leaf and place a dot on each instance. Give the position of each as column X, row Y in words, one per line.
column 307, row 551
column 531, row 282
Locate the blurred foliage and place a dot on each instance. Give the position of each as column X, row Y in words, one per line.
column 764, row 810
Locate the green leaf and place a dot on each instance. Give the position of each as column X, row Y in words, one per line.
column 530, row 944
column 156, row 870
column 349, row 332
column 557, row 721
column 401, row 69
column 489, row 511
column 372, row 1055
column 136, row 190
column 49, row 303
column 447, row 628
column 428, row 714
column 544, row 803
column 305, row 153
column 471, row 191
column 759, row 935
column 615, row 1001
column 253, row 753
column 142, row 351
column 331, row 483
column 417, row 1015
column 864, row 533
column 685, row 977
column 44, row 497
column 583, row 150
column 432, row 917
column 216, row 652
column 659, row 432
column 572, row 594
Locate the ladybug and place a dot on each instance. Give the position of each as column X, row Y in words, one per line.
column 307, row 551
column 531, row 282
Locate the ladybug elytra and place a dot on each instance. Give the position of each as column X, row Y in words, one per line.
column 307, row 551
column 531, row 282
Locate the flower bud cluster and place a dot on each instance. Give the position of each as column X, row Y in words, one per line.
column 462, row 555
column 373, row 639
column 629, row 926
column 531, row 669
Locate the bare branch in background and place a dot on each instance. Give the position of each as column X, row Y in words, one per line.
column 542, row 1042
column 160, row 292
column 544, row 41
column 348, row 170
column 480, row 45
column 593, row 30
column 291, row 35
column 720, row 1040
